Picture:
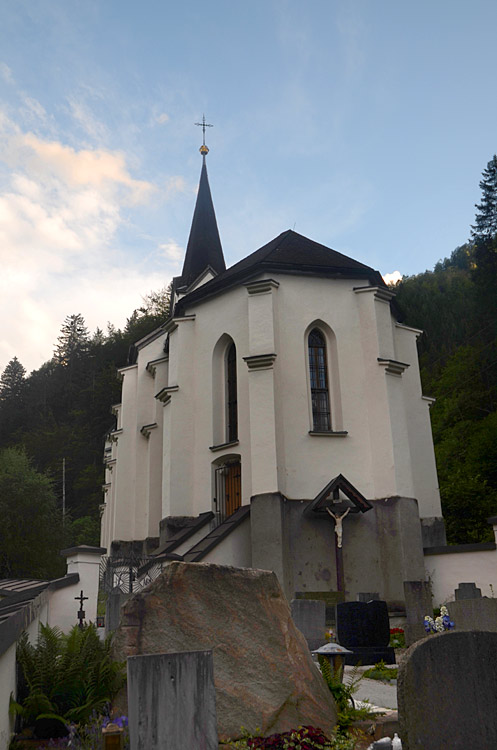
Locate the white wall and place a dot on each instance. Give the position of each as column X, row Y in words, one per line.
column 447, row 571
column 7, row 686
column 387, row 450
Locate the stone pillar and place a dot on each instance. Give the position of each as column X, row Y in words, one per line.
column 270, row 549
column 172, row 701
column 418, row 604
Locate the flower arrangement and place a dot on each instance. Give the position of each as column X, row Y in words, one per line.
column 397, row 638
column 440, row 623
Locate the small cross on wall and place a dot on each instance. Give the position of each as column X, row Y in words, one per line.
column 81, row 612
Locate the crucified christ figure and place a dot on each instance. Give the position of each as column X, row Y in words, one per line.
column 338, row 525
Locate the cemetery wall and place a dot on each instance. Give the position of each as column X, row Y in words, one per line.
column 446, row 567
column 7, row 686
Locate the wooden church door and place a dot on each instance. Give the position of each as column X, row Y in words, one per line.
column 233, row 488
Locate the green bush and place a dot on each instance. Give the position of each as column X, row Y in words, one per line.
column 65, row 677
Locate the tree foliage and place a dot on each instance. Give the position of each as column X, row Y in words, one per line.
column 31, row 529
column 485, row 226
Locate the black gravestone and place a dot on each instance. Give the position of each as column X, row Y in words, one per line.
column 364, row 628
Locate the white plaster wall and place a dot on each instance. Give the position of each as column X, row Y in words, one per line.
column 235, row 550
column 62, row 606
column 7, row 686
column 384, row 415
column 447, row 571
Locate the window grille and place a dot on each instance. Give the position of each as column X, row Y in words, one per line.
column 231, row 395
column 318, row 372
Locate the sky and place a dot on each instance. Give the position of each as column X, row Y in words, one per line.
column 362, row 124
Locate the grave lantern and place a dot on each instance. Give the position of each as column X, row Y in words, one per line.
column 335, row 655
column 112, row 737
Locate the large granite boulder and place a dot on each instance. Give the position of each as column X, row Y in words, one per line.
column 263, row 672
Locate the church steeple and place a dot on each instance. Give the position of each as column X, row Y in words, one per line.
column 204, row 245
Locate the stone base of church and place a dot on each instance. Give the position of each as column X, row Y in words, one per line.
column 380, row 548
column 433, row 532
column 136, row 549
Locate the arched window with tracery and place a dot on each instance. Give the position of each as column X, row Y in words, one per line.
column 318, row 374
column 231, row 395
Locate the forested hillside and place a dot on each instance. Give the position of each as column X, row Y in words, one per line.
column 53, row 423
column 56, row 420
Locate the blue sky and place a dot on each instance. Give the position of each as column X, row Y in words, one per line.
column 364, row 124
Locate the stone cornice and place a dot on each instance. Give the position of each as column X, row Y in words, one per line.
column 260, row 361
column 380, row 293
column 114, row 435
column 147, row 429
column 392, row 367
column 152, row 365
column 429, row 399
column 223, row 446
column 417, row 331
column 164, row 395
column 172, row 324
column 261, row 286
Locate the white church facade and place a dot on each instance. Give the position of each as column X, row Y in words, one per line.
column 285, row 374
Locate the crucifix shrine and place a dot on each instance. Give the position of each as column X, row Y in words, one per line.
column 329, row 502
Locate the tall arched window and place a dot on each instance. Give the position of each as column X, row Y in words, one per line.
column 231, row 395
column 318, row 372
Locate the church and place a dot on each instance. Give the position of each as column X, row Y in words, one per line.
column 276, row 420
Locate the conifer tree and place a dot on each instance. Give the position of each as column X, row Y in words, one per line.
column 485, row 226
column 12, row 380
column 73, row 340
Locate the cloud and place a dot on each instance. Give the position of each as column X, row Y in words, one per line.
column 6, row 73
column 62, row 210
column 392, row 278
column 162, row 119
column 172, row 251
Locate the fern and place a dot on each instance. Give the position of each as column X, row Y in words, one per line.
column 66, row 676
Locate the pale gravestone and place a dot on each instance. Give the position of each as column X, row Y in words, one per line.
column 447, row 692
column 172, row 701
column 417, row 595
column 467, row 591
column 474, row 614
column 310, row 618
column 364, row 628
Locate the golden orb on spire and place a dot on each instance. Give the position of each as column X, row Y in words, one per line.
column 204, row 150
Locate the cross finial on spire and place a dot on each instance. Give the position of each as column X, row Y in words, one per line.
column 203, row 148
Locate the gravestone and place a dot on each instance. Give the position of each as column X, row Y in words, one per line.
column 474, row 614
column 366, row 596
column 172, row 701
column 310, row 618
column 330, row 598
column 364, row 628
column 467, row 591
column 447, row 692
column 417, row 595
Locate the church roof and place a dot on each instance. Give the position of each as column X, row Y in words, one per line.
column 204, row 244
column 292, row 253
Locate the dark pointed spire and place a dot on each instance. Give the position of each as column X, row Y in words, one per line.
column 204, row 245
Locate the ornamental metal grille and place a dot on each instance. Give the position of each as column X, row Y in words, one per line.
column 318, row 372
column 228, row 480
column 128, row 574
